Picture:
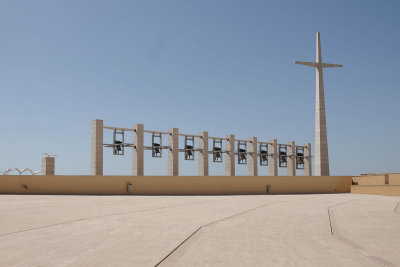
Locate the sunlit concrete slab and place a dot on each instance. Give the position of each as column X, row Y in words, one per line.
column 256, row 230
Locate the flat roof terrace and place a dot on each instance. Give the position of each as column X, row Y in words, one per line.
column 240, row 230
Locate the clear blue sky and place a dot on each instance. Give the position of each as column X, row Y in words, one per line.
column 220, row 66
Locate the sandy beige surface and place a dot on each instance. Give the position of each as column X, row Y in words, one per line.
column 256, row 230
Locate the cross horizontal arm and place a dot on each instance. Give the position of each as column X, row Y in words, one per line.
column 310, row 64
column 328, row 65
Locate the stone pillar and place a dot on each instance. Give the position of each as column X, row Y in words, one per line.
column 291, row 159
column 173, row 152
column 252, row 157
column 48, row 166
column 273, row 158
column 307, row 160
column 203, row 154
column 138, row 150
column 97, row 147
column 230, row 155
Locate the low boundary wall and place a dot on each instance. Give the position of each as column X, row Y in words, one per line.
column 380, row 179
column 377, row 179
column 394, row 178
column 384, row 190
column 173, row 185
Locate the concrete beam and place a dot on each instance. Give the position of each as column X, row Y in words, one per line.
column 230, row 155
column 173, row 152
column 97, row 148
column 138, row 150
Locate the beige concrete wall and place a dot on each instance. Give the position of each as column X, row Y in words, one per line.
column 378, row 179
column 19, row 184
column 370, row 179
column 394, row 178
column 385, row 190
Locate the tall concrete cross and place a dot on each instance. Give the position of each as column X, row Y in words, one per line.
column 321, row 139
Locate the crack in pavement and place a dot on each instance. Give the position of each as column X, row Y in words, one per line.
column 100, row 216
column 330, row 223
column 350, row 243
column 338, row 204
column 217, row 221
column 396, row 207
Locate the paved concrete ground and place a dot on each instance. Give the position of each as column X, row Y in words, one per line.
column 257, row 230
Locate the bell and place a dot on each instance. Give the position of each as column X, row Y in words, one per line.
column 156, row 148
column 189, row 152
column 217, row 153
column 242, row 153
column 118, row 145
column 282, row 156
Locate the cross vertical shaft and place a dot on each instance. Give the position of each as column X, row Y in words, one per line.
column 321, row 138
